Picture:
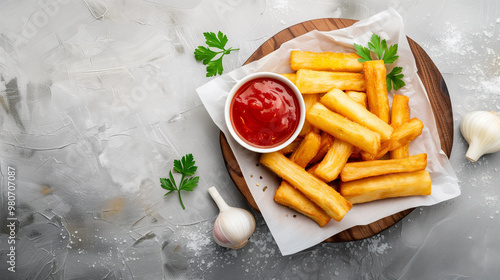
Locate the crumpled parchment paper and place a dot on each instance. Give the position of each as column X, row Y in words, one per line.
column 292, row 231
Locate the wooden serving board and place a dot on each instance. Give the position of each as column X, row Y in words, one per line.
column 433, row 83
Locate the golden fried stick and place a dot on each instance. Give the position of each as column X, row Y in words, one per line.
column 358, row 96
column 289, row 196
column 327, row 61
column 333, row 162
column 291, row 76
column 337, row 101
column 400, row 114
column 376, row 88
column 313, row 188
column 344, row 129
column 385, row 186
column 311, row 81
column 401, row 136
column 307, row 150
column 326, row 143
column 358, row 170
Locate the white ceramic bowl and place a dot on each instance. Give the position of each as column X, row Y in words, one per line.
column 229, row 123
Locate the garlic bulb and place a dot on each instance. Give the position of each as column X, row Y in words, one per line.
column 481, row 129
column 233, row 226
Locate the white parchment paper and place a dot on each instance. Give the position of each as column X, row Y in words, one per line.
column 294, row 232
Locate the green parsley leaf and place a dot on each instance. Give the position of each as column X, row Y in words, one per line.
column 167, row 184
column 214, row 67
column 390, row 54
column 386, row 53
column 186, row 167
column 395, row 79
column 218, row 41
column 206, row 55
column 190, row 184
column 363, row 52
column 377, row 46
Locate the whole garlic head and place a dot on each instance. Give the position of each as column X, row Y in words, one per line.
column 481, row 129
column 233, row 226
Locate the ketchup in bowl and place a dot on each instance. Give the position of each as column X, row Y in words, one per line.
column 265, row 112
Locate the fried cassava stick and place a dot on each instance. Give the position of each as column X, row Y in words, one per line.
column 376, row 89
column 313, row 188
column 311, row 81
column 402, row 136
column 328, row 61
column 400, row 114
column 339, row 102
column 289, row 196
column 307, row 150
column 386, row 186
column 344, row 129
column 362, row 169
column 333, row 162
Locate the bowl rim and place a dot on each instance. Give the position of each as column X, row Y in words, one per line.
column 280, row 78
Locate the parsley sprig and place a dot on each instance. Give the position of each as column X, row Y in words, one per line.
column 395, row 79
column 386, row 53
column 206, row 55
column 186, row 166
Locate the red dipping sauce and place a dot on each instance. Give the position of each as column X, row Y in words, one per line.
column 265, row 112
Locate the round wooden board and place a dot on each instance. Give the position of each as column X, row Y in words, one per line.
column 433, row 83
